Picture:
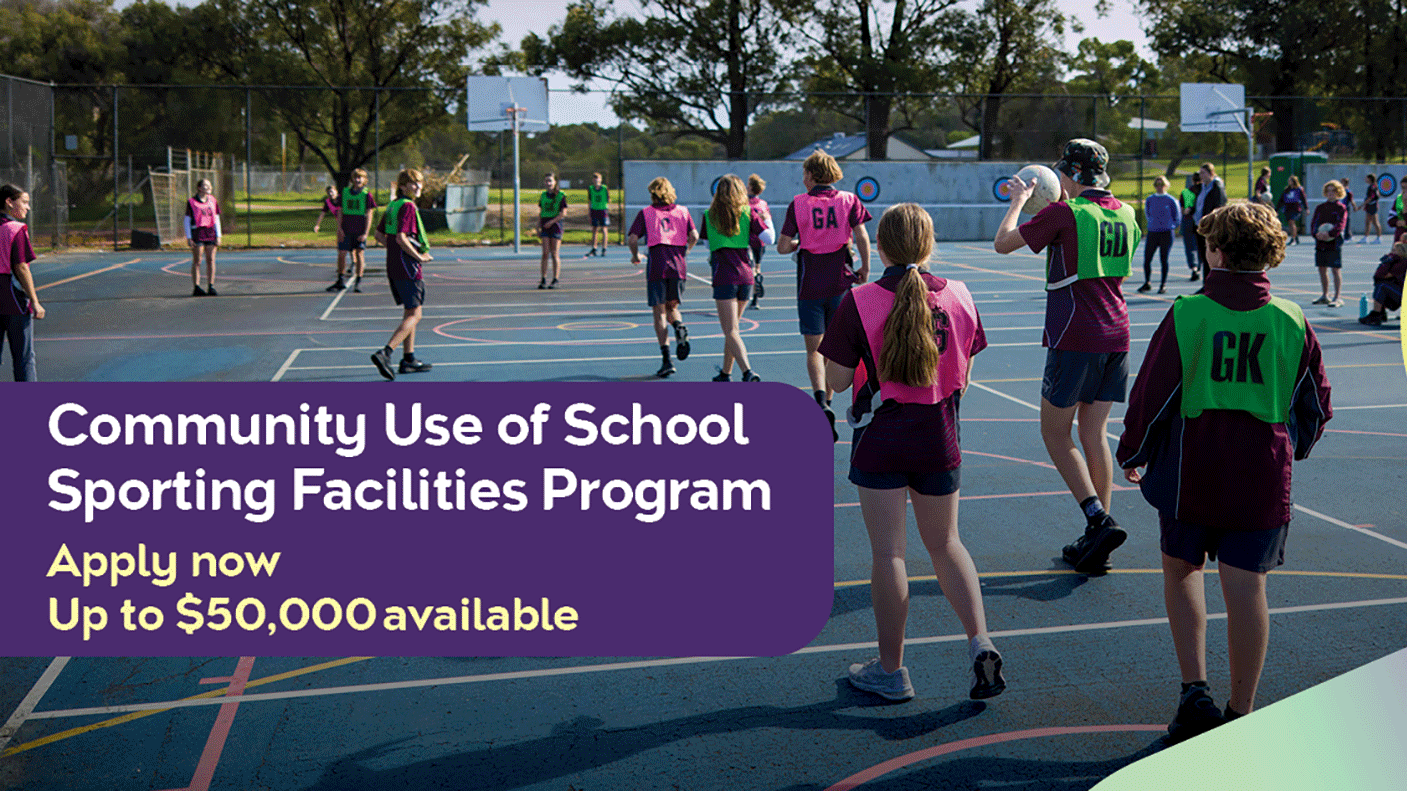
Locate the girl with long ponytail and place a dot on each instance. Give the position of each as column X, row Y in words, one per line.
column 915, row 335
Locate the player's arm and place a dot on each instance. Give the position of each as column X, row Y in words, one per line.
column 693, row 238
column 786, row 244
column 838, row 377
column 1008, row 238
column 26, row 280
column 862, row 243
column 633, row 242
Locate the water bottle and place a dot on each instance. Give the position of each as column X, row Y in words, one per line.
column 1363, row 306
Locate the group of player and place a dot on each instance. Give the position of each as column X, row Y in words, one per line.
column 1231, row 390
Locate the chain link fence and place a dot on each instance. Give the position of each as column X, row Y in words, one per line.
column 26, row 149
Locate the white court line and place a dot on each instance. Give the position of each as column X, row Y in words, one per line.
column 287, row 364
column 452, row 364
column 333, row 305
column 648, row 663
column 1339, row 522
column 26, row 707
column 1375, row 406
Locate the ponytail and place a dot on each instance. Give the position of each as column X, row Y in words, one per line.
column 909, row 354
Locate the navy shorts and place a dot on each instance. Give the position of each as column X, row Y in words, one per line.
column 553, row 231
column 1329, row 257
column 662, row 292
column 815, row 314
column 933, row 484
column 1250, row 550
column 599, row 218
column 408, row 293
column 1389, row 295
column 1084, row 377
column 739, row 291
column 349, row 243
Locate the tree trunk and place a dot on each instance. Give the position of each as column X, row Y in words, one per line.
column 877, row 125
column 991, row 112
column 1285, row 138
column 736, row 144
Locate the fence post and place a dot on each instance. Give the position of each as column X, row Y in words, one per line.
column 114, row 168
column 54, row 168
column 378, row 141
column 248, row 157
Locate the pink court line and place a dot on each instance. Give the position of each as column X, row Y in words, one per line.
column 210, row 335
column 965, row 497
column 215, row 745
column 893, row 764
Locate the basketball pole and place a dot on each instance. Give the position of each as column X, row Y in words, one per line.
column 514, row 112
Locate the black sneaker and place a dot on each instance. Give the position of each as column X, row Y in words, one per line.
column 1373, row 319
column 196, row 292
column 681, row 341
column 751, row 376
column 414, row 366
column 357, row 285
column 1195, row 276
column 987, row 681
column 338, row 286
column 723, row 376
column 1162, row 289
column 542, row 284
column 211, row 292
column 553, row 284
column 382, row 360
column 830, row 415
column 1090, row 552
column 1196, row 713
column 590, row 253
column 666, row 369
column 1145, row 288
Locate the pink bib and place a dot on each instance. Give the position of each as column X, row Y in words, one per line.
column 955, row 302
column 202, row 214
column 8, row 232
column 666, row 226
column 823, row 221
column 763, row 210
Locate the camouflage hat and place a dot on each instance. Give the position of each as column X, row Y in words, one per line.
column 1083, row 161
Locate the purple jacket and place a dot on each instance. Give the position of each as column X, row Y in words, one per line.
column 1224, row 468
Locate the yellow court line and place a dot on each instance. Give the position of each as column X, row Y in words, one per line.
column 991, row 271
column 1068, row 572
column 990, row 381
column 86, row 274
column 125, row 718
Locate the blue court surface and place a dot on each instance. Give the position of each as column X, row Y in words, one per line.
column 1089, row 661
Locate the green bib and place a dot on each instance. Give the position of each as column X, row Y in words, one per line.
column 551, row 205
column 1107, row 238
column 1238, row 359
column 353, row 203
column 717, row 240
column 1189, row 199
column 391, row 225
column 599, row 197
column 1397, row 204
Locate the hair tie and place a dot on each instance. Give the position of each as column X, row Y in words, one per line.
column 911, row 266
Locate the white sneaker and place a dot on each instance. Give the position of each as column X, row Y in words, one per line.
column 987, row 681
column 871, row 677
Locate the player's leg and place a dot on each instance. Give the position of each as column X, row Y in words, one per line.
column 885, row 515
column 210, row 270
column 1247, row 632
column 195, row 270
column 1099, row 460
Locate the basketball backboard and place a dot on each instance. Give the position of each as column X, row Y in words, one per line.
column 490, row 98
column 1213, row 107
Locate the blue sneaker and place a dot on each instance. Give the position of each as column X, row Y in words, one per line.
column 871, row 677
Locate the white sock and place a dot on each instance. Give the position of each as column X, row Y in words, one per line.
column 979, row 644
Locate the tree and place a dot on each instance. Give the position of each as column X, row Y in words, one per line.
column 866, row 56
column 1002, row 48
column 406, row 59
column 689, row 67
column 1278, row 48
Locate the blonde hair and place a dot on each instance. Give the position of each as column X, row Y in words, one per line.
column 331, row 191
column 1399, row 249
column 1159, row 181
column 1335, row 188
column 1210, row 168
column 407, row 177
column 729, row 202
column 755, row 184
column 1247, row 234
column 359, row 172
column 1293, row 182
column 909, row 352
column 662, row 192
column 822, row 167
column 598, row 176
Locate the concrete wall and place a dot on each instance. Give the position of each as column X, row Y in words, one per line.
column 958, row 195
column 1315, row 174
